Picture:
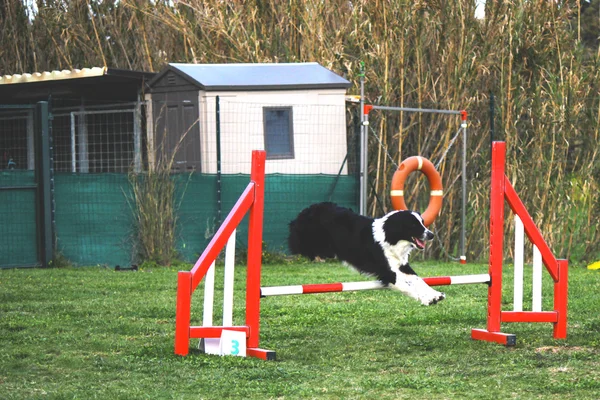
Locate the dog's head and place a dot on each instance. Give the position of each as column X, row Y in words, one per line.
column 405, row 226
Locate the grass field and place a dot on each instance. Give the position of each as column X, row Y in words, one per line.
column 95, row 333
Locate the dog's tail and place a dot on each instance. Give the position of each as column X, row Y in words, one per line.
column 309, row 235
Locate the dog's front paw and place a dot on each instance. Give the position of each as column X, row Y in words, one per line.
column 433, row 299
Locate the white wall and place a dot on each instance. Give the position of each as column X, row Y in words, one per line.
column 319, row 125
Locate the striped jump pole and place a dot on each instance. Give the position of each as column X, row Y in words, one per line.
column 367, row 285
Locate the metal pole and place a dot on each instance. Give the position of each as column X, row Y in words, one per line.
column 425, row 110
column 73, row 144
column 137, row 137
column 82, row 142
column 363, row 145
column 218, row 130
column 463, row 257
column 52, row 182
column 43, row 175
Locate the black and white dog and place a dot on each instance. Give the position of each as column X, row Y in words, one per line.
column 378, row 247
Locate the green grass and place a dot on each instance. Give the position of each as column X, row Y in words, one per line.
column 95, row 333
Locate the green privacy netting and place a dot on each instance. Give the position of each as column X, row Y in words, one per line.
column 18, row 243
column 94, row 223
column 285, row 196
column 93, row 218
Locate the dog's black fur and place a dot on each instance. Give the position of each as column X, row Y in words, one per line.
column 378, row 247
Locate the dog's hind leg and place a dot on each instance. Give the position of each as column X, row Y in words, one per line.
column 416, row 288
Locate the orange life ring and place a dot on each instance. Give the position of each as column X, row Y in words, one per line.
column 417, row 163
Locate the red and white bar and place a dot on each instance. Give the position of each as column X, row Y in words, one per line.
column 368, row 285
column 319, row 288
column 457, row 280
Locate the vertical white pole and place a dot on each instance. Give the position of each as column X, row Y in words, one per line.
column 137, row 138
column 209, row 294
column 463, row 254
column 150, row 132
column 30, row 142
column 519, row 243
column 228, row 284
column 73, row 146
column 364, row 140
column 82, row 143
column 536, row 304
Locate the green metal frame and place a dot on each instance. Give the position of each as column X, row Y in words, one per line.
column 43, row 174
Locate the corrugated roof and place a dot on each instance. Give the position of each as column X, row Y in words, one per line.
column 53, row 75
column 258, row 76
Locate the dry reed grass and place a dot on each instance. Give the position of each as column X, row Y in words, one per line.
column 418, row 53
column 154, row 203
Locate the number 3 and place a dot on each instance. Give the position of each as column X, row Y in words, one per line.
column 235, row 347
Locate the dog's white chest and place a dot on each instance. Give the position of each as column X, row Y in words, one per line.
column 398, row 253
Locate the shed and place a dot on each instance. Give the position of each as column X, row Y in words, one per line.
column 295, row 111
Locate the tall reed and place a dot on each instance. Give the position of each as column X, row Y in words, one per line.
column 154, row 202
column 532, row 55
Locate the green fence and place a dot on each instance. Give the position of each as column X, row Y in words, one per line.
column 285, row 196
column 18, row 232
column 94, row 223
column 64, row 185
column 93, row 218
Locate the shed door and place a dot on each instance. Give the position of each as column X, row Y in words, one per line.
column 177, row 129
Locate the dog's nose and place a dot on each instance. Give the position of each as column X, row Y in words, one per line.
column 428, row 235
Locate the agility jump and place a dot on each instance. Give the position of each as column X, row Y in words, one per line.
column 503, row 190
column 252, row 202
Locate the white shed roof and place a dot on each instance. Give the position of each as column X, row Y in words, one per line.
column 288, row 76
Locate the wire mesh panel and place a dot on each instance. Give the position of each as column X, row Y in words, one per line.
column 18, row 234
column 299, row 138
column 97, row 141
column 16, row 142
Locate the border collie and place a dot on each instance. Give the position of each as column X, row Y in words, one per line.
column 378, row 247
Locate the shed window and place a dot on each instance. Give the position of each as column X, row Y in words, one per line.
column 279, row 133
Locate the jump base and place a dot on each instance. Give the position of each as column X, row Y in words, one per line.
column 506, row 339
column 268, row 355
